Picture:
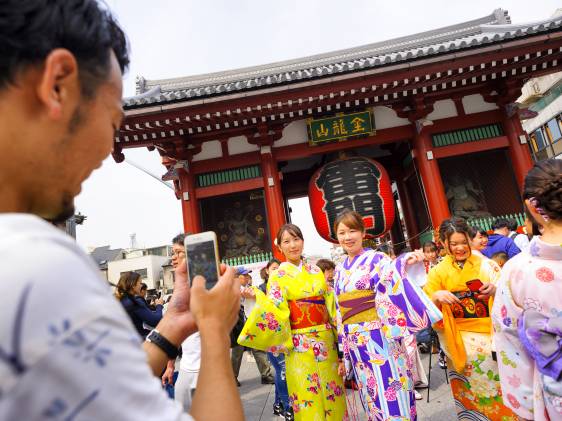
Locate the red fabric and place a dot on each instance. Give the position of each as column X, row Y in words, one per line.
column 377, row 222
column 307, row 314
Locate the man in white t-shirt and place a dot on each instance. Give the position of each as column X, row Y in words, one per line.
column 190, row 361
column 67, row 348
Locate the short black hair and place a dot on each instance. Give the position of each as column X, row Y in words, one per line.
column 512, row 224
column 325, row 264
column 430, row 245
column 178, row 239
column 500, row 223
column 477, row 230
column 31, row 29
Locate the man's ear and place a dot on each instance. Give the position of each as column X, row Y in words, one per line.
column 59, row 85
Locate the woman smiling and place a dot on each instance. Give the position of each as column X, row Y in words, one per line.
column 378, row 308
column 463, row 285
column 297, row 318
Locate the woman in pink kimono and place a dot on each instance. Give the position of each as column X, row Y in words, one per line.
column 527, row 312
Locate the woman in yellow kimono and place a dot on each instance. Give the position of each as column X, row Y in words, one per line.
column 463, row 285
column 297, row 317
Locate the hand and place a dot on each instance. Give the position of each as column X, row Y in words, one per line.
column 178, row 321
column 248, row 293
column 168, row 376
column 444, row 297
column 414, row 257
column 216, row 309
column 341, row 368
column 159, row 301
column 487, row 290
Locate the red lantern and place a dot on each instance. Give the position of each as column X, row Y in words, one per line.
column 358, row 184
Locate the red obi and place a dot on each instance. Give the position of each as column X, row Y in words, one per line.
column 308, row 312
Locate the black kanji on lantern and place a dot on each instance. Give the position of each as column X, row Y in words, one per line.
column 352, row 184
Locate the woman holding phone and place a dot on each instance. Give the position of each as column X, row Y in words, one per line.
column 297, row 318
column 464, row 286
column 378, row 312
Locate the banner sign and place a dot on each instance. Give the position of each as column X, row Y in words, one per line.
column 340, row 127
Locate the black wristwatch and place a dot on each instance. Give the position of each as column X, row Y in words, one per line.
column 161, row 342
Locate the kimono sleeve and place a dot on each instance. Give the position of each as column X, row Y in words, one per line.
column 402, row 306
column 516, row 368
column 268, row 326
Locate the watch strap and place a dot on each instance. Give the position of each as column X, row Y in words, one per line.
column 161, row 342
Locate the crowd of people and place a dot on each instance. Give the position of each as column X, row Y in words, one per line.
column 493, row 300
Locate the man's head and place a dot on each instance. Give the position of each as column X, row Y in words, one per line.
column 513, row 225
column 61, row 63
column 501, row 226
column 244, row 276
column 178, row 250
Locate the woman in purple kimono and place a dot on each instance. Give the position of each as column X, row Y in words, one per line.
column 377, row 307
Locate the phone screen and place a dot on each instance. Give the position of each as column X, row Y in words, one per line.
column 201, row 260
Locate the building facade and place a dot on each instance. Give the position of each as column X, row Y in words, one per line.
column 442, row 116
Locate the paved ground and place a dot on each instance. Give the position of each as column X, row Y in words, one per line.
column 258, row 399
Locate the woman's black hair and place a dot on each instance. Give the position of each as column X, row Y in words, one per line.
column 543, row 183
column 451, row 226
column 473, row 231
column 429, row 245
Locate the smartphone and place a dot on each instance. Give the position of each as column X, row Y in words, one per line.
column 474, row 285
column 202, row 255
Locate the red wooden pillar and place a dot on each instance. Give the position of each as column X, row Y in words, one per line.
column 273, row 196
column 189, row 205
column 431, row 178
column 408, row 210
column 518, row 152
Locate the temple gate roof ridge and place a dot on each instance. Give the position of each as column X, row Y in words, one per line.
column 493, row 28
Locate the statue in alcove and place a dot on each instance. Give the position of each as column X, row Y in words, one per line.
column 244, row 232
column 465, row 198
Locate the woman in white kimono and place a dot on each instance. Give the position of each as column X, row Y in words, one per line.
column 527, row 312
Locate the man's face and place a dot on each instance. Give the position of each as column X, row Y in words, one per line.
column 178, row 254
column 77, row 144
column 245, row 279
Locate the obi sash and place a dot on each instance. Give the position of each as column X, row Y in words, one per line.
column 308, row 312
column 470, row 307
column 357, row 307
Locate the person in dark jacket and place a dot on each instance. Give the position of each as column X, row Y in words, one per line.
column 499, row 240
column 128, row 292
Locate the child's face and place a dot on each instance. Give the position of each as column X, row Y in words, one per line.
column 430, row 255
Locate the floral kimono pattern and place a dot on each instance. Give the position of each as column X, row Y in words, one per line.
column 467, row 342
column 530, row 282
column 374, row 343
column 316, row 392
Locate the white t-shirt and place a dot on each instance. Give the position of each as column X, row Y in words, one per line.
column 191, row 353
column 67, row 348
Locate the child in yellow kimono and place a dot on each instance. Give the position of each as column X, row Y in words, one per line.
column 465, row 332
column 297, row 317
